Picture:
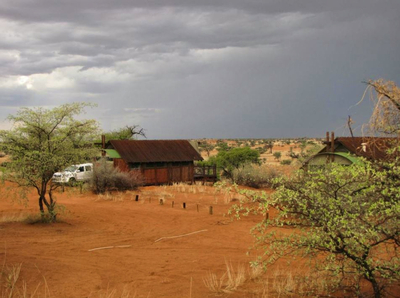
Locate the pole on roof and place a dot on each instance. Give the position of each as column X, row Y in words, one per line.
column 103, row 145
column 327, row 141
column 333, row 145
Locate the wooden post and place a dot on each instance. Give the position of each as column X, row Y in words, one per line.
column 169, row 174
column 267, row 216
column 215, row 173
column 161, row 201
column 333, row 146
column 184, row 205
column 211, row 210
column 192, row 172
column 137, row 198
column 327, row 142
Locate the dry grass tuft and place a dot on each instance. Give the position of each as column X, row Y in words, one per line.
column 11, row 286
column 114, row 197
column 228, row 282
column 300, row 282
column 126, row 292
column 20, row 217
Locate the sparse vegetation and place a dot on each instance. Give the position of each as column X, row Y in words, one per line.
column 12, row 286
column 256, row 176
column 286, row 162
column 277, row 155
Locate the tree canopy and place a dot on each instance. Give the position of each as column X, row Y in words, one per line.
column 233, row 159
column 128, row 132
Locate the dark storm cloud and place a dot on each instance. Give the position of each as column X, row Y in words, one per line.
column 203, row 68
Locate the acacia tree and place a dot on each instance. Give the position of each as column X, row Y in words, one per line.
column 128, row 132
column 277, row 155
column 346, row 219
column 43, row 141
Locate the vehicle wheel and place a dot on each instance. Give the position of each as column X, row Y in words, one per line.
column 72, row 181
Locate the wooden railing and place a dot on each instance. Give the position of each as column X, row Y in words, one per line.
column 205, row 173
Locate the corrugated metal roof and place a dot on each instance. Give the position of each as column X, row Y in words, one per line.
column 375, row 148
column 144, row 151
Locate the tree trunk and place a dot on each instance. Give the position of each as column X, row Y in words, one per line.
column 376, row 288
column 51, row 207
column 41, row 208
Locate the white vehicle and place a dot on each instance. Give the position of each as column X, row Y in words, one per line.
column 82, row 172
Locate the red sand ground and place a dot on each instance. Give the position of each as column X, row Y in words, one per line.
column 59, row 253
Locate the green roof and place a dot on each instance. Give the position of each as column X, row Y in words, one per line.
column 112, row 153
column 352, row 158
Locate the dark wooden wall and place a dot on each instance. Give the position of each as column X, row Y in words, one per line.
column 161, row 175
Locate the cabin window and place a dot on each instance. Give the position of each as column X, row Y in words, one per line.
column 134, row 166
column 155, row 165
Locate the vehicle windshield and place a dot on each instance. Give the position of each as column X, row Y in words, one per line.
column 70, row 169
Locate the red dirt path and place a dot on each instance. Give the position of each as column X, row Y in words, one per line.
column 168, row 268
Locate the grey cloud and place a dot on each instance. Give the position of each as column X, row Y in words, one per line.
column 209, row 68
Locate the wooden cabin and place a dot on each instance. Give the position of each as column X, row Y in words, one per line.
column 159, row 161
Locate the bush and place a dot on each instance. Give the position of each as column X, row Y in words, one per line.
column 107, row 178
column 2, row 154
column 255, row 175
column 277, row 155
column 286, row 162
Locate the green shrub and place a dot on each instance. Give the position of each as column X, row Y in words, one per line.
column 255, row 175
column 107, row 178
column 286, row 162
column 277, row 155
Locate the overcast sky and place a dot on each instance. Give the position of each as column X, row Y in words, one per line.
column 200, row 68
